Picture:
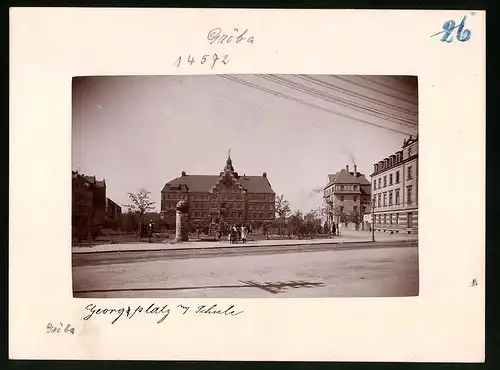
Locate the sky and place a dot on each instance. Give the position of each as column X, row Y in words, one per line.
column 143, row 131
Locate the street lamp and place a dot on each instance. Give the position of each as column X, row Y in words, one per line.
column 373, row 220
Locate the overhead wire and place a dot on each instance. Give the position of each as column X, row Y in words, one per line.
column 371, row 88
column 387, row 86
column 356, row 95
column 315, row 106
column 342, row 102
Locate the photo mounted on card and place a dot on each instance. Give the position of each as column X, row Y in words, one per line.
column 292, row 203
column 238, row 223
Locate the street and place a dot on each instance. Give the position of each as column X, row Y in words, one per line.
column 321, row 270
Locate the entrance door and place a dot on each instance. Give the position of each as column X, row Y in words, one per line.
column 410, row 219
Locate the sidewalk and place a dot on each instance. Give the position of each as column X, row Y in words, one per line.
column 348, row 236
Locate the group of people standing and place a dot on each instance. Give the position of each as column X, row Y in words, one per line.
column 235, row 234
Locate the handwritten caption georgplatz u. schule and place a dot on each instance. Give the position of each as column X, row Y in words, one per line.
column 161, row 312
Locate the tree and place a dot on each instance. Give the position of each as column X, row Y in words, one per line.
column 355, row 218
column 222, row 213
column 282, row 209
column 296, row 223
column 340, row 215
column 141, row 203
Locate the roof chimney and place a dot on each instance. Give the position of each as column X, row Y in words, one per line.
column 183, row 173
column 355, row 170
column 264, row 174
column 347, row 168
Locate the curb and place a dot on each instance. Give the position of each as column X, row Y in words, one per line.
column 233, row 247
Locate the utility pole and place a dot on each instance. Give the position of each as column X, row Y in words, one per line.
column 373, row 220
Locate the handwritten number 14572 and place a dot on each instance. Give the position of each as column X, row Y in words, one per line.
column 207, row 58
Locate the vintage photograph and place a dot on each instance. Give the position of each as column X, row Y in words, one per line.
column 245, row 186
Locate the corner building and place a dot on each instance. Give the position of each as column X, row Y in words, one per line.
column 249, row 199
column 349, row 192
column 395, row 190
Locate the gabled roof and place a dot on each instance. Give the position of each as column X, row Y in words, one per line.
column 90, row 179
column 332, row 177
column 203, row 183
column 345, row 177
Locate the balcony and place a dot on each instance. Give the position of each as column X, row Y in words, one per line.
column 347, row 191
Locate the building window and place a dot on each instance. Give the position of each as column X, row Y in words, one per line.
column 409, row 194
column 240, row 214
column 197, row 214
column 390, row 179
column 390, row 198
column 385, row 181
column 379, row 183
column 341, row 198
column 364, row 209
column 397, row 219
column 204, row 214
column 355, row 198
column 385, row 219
column 397, row 177
column 397, row 196
column 374, row 201
column 409, row 152
column 385, row 198
column 409, row 173
column 355, row 209
column 390, row 218
column 374, row 185
column 380, row 200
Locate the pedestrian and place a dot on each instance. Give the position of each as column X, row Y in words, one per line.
column 238, row 230
column 334, row 229
column 230, row 235
column 219, row 235
column 243, row 235
column 235, row 235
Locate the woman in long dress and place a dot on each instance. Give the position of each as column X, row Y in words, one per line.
column 243, row 235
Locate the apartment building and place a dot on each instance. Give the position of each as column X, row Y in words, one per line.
column 395, row 190
column 347, row 193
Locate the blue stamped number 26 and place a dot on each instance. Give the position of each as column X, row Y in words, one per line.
column 449, row 27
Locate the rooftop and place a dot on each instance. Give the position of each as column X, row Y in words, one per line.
column 344, row 176
column 204, row 183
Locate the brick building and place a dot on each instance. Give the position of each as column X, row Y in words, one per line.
column 98, row 189
column 247, row 199
column 90, row 204
column 113, row 211
column 347, row 193
column 82, row 199
column 395, row 190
